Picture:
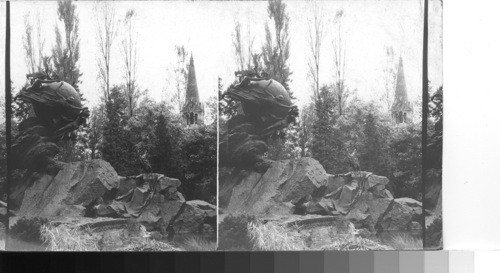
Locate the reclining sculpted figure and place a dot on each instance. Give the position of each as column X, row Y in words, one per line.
column 57, row 112
column 266, row 109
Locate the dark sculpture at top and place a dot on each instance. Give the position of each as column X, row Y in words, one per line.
column 57, row 112
column 266, row 109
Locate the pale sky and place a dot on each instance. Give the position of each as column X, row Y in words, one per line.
column 206, row 29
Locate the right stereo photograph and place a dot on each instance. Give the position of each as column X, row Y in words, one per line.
column 330, row 126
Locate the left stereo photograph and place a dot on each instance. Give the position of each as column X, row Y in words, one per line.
column 113, row 136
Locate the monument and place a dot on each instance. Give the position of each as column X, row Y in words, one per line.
column 266, row 109
column 56, row 112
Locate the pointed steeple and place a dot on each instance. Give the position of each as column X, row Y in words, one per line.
column 193, row 109
column 401, row 106
column 192, row 86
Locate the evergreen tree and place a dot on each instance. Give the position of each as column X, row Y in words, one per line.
column 406, row 161
column 114, row 141
column 199, row 152
column 371, row 154
column 164, row 153
column 162, row 146
column 94, row 130
column 305, row 126
column 322, row 146
column 332, row 135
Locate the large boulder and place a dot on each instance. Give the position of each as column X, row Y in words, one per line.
column 402, row 214
column 139, row 196
column 368, row 204
column 193, row 218
column 367, row 210
column 76, row 186
column 277, row 191
column 356, row 194
column 334, row 182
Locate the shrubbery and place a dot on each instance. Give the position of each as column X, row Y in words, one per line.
column 233, row 232
column 29, row 229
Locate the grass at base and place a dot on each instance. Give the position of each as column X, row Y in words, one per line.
column 196, row 243
column 275, row 236
column 66, row 238
column 405, row 242
column 355, row 243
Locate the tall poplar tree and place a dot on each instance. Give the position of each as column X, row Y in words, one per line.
column 276, row 50
column 66, row 51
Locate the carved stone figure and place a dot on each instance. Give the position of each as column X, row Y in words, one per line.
column 266, row 109
column 57, row 114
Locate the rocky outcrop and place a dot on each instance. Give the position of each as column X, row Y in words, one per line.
column 76, row 186
column 302, row 186
column 93, row 190
column 277, row 191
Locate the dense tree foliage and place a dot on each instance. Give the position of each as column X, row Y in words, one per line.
column 114, row 146
column 406, row 161
column 199, row 158
column 155, row 140
column 364, row 138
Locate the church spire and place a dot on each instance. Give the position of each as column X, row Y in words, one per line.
column 192, row 86
column 192, row 110
column 401, row 106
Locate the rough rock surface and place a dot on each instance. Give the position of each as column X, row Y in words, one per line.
column 193, row 217
column 302, row 186
column 276, row 192
column 76, row 186
column 404, row 214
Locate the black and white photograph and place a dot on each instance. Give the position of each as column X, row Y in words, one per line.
column 249, row 135
column 321, row 127
column 114, row 127
column 222, row 125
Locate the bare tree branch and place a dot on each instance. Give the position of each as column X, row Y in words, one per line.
column 316, row 34
column 339, row 65
column 106, row 34
column 129, row 54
